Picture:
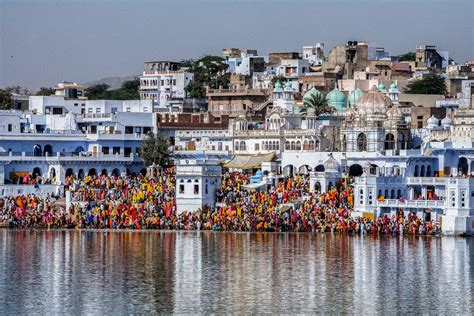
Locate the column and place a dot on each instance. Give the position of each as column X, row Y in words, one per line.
column 411, row 193
column 424, row 192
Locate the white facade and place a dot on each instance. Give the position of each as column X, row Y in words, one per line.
column 162, row 87
column 314, row 54
column 197, row 180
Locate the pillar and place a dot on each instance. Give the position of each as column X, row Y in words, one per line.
column 411, row 193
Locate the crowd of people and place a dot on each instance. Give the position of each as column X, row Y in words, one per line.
column 110, row 202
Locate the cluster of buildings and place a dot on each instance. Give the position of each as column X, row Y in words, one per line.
column 404, row 151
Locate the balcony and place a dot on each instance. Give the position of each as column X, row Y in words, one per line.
column 441, row 204
column 66, row 156
column 426, row 181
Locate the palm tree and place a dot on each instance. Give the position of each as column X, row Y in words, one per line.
column 319, row 103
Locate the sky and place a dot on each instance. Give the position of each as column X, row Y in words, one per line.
column 43, row 42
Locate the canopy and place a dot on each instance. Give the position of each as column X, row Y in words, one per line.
column 249, row 161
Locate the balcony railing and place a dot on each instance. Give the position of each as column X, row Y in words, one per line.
column 412, row 203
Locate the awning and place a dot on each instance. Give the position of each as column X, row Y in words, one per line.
column 249, row 161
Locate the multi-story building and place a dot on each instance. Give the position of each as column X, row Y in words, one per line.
column 164, row 83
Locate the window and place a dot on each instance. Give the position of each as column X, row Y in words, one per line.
column 105, row 150
column 10, row 127
column 97, row 110
column 196, row 189
column 207, row 189
column 145, row 109
column 57, row 111
column 128, row 129
column 90, row 110
column 76, row 104
column 146, row 130
column 93, row 129
column 181, row 188
column 114, row 110
column 127, row 151
column 257, row 146
column 116, row 150
column 128, row 109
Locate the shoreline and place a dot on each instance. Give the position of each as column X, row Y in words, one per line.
column 106, row 230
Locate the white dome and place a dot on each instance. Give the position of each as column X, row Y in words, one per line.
column 446, row 122
column 331, row 165
column 373, row 103
column 433, row 122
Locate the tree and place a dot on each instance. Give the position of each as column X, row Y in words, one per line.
column 430, row 84
column 17, row 89
column 155, row 150
column 410, row 56
column 208, row 71
column 319, row 103
column 6, row 100
column 45, row 91
column 97, row 92
column 128, row 91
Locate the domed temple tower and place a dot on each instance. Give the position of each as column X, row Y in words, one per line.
column 374, row 124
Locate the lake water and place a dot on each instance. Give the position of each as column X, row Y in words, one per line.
column 95, row 272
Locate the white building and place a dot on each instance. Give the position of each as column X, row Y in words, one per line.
column 164, row 83
column 197, row 180
column 314, row 54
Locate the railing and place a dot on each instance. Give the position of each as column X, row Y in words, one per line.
column 412, row 203
column 426, row 181
column 245, row 90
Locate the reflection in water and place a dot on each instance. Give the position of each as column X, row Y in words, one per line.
column 191, row 272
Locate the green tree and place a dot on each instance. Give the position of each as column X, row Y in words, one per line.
column 430, row 84
column 6, row 100
column 410, row 56
column 45, row 91
column 17, row 89
column 155, row 150
column 207, row 71
column 319, row 103
column 97, row 92
column 128, row 91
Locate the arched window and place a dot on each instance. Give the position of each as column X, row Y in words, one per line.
column 416, row 171
column 48, row 150
column 237, row 146
column 311, row 145
column 37, row 150
column 463, row 167
column 422, row 172
column 277, row 145
column 293, row 145
column 298, row 145
column 389, row 142
column 242, row 146
column 392, row 194
column 428, row 171
column 362, row 142
column 287, row 145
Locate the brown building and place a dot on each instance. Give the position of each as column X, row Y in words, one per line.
column 323, row 82
column 276, row 58
column 351, row 58
column 420, row 115
column 236, row 101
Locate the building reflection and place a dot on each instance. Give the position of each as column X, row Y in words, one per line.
column 66, row 272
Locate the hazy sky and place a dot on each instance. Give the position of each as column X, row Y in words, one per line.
column 46, row 41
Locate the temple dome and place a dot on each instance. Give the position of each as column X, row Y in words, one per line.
column 446, row 122
column 288, row 87
column 331, row 165
column 337, row 100
column 382, row 87
column 278, row 87
column 310, row 94
column 433, row 122
column 393, row 87
column 354, row 96
column 373, row 103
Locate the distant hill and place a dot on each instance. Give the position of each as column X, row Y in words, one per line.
column 113, row 82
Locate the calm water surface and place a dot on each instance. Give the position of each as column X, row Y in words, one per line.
column 202, row 272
